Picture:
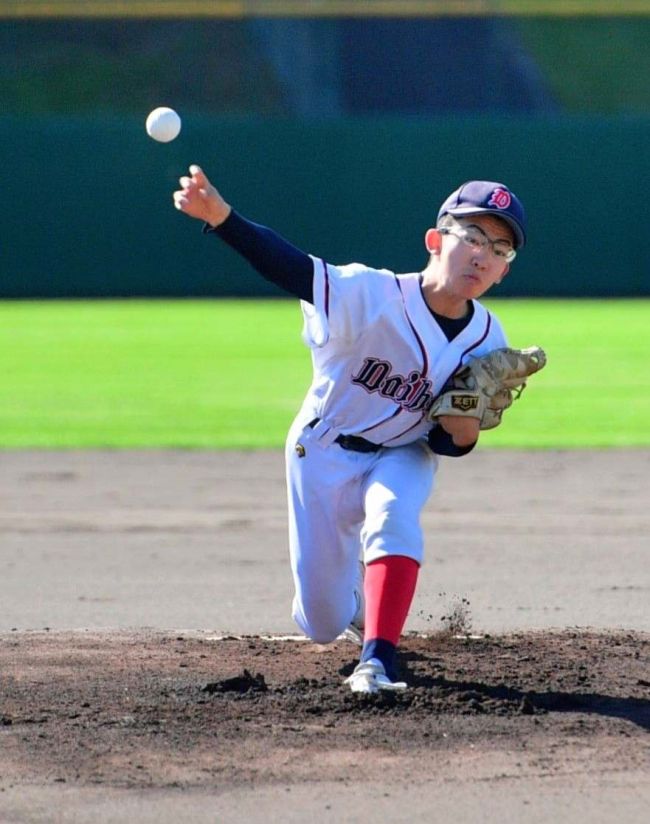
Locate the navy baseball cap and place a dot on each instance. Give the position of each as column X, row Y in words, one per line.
column 479, row 197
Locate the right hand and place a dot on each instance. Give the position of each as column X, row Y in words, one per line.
column 198, row 198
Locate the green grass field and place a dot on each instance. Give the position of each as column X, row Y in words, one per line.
column 231, row 374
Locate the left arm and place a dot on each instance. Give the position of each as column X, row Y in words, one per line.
column 463, row 431
column 442, row 443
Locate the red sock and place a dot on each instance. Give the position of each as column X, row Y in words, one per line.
column 389, row 589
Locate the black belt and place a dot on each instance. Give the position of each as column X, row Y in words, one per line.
column 352, row 442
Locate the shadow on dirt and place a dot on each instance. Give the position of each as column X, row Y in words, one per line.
column 636, row 710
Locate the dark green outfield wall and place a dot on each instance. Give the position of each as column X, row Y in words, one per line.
column 87, row 211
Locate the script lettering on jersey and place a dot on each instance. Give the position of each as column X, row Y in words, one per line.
column 411, row 392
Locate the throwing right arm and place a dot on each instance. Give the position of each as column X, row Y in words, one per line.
column 270, row 254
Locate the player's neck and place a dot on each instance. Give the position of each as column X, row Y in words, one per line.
column 449, row 306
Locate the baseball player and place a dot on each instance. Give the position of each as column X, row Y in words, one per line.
column 363, row 451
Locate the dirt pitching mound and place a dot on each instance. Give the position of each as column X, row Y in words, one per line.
column 149, row 709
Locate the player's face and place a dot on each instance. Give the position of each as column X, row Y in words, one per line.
column 468, row 270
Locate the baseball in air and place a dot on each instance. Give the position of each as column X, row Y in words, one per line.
column 163, row 124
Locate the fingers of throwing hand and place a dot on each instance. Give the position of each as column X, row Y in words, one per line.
column 195, row 194
column 190, row 193
column 199, row 175
column 181, row 202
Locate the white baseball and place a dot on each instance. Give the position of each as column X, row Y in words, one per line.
column 163, row 124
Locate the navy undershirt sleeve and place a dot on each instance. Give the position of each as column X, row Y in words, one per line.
column 442, row 443
column 270, row 254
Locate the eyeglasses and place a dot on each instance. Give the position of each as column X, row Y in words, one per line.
column 476, row 238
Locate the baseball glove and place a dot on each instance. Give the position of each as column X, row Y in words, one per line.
column 487, row 386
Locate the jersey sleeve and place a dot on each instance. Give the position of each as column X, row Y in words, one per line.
column 346, row 300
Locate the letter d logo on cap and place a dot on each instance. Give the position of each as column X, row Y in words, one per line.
column 500, row 198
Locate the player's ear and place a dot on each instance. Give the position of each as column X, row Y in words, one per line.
column 433, row 241
column 505, row 272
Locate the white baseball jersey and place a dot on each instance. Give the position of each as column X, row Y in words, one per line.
column 379, row 360
column 379, row 356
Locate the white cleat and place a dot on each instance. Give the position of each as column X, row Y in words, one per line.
column 353, row 633
column 370, row 677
